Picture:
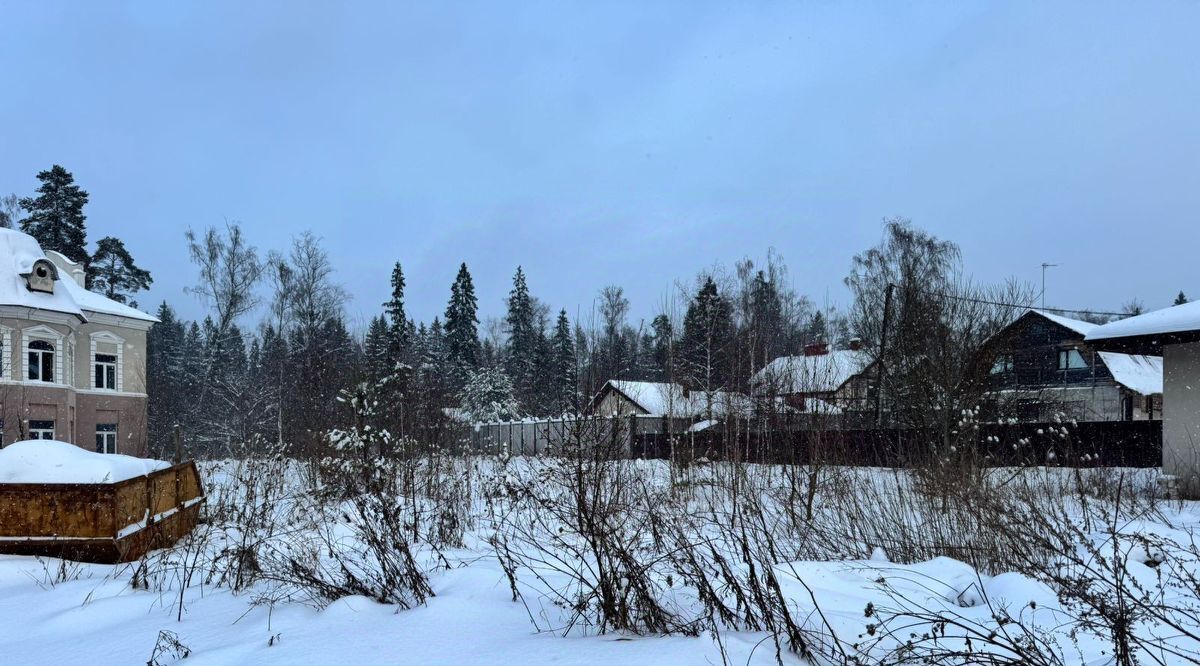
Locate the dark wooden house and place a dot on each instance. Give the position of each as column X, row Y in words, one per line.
column 1040, row 368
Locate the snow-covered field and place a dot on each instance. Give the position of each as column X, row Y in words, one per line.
column 286, row 571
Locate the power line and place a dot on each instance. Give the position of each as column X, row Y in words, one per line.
column 1022, row 305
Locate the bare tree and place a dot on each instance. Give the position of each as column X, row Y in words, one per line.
column 229, row 272
column 11, row 211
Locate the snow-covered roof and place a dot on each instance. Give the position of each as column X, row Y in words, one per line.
column 664, row 398
column 18, row 252
column 820, row 373
column 50, row 461
column 1175, row 319
column 1136, row 372
column 90, row 301
column 1079, row 326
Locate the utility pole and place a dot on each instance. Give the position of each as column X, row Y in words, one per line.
column 1044, row 267
column 887, row 308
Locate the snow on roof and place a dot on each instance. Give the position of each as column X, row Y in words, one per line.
column 1142, row 374
column 1081, row 327
column 820, row 373
column 663, row 398
column 18, row 252
column 50, row 461
column 90, row 301
column 1174, row 319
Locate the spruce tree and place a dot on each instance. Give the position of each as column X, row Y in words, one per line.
column 111, row 272
column 564, row 369
column 1180, row 299
column 461, row 328
column 376, row 347
column 56, row 216
column 397, row 319
column 707, row 338
column 520, row 358
column 766, row 320
column 488, row 396
column 165, row 382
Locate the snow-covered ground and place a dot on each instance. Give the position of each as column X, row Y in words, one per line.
column 54, row 612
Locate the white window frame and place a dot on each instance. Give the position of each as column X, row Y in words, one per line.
column 41, row 432
column 108, row 437
column 110, row 338
column 1066, row 356
column 47, row 334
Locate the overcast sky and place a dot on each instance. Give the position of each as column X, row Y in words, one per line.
column 630, row 144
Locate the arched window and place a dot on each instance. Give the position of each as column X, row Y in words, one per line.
column 41, row 361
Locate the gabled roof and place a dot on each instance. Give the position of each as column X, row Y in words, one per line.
column 18, row 252
column 820, row 373
column 670, row 399
column 1136, row 372
column 1077, row 325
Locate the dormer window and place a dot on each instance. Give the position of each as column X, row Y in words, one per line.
column 41, row 277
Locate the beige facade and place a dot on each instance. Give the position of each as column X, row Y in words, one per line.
column 64, row 392
column 72, row 362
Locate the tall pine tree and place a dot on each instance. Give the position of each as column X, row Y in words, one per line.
column 397, row 319
column 1180, row 299
column 521, row 354
column 462, row 328
column 111, row 272
column 564, row 368
column 56, row 216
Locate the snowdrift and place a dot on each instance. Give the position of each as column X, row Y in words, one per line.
column 50, row 461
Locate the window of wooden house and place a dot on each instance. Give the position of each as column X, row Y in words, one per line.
column 105, row 372
column 41, row 361
column 1003, row 364
column 1071, row 359
column 106, row 438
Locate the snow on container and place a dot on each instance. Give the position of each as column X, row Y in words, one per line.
column 61, row 500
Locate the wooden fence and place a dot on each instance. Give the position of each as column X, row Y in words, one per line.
column 1082, row 444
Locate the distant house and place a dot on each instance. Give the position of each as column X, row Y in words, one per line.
column 820, row 381
column 1041, row 366
column 620, row 397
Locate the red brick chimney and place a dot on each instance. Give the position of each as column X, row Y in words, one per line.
column 816, row 349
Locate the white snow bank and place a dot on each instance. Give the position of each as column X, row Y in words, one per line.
column 49, row 461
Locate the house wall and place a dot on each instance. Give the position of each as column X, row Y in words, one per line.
column 1181, row 415
column 133, row 354
column 72, row 402
column 615, row 403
